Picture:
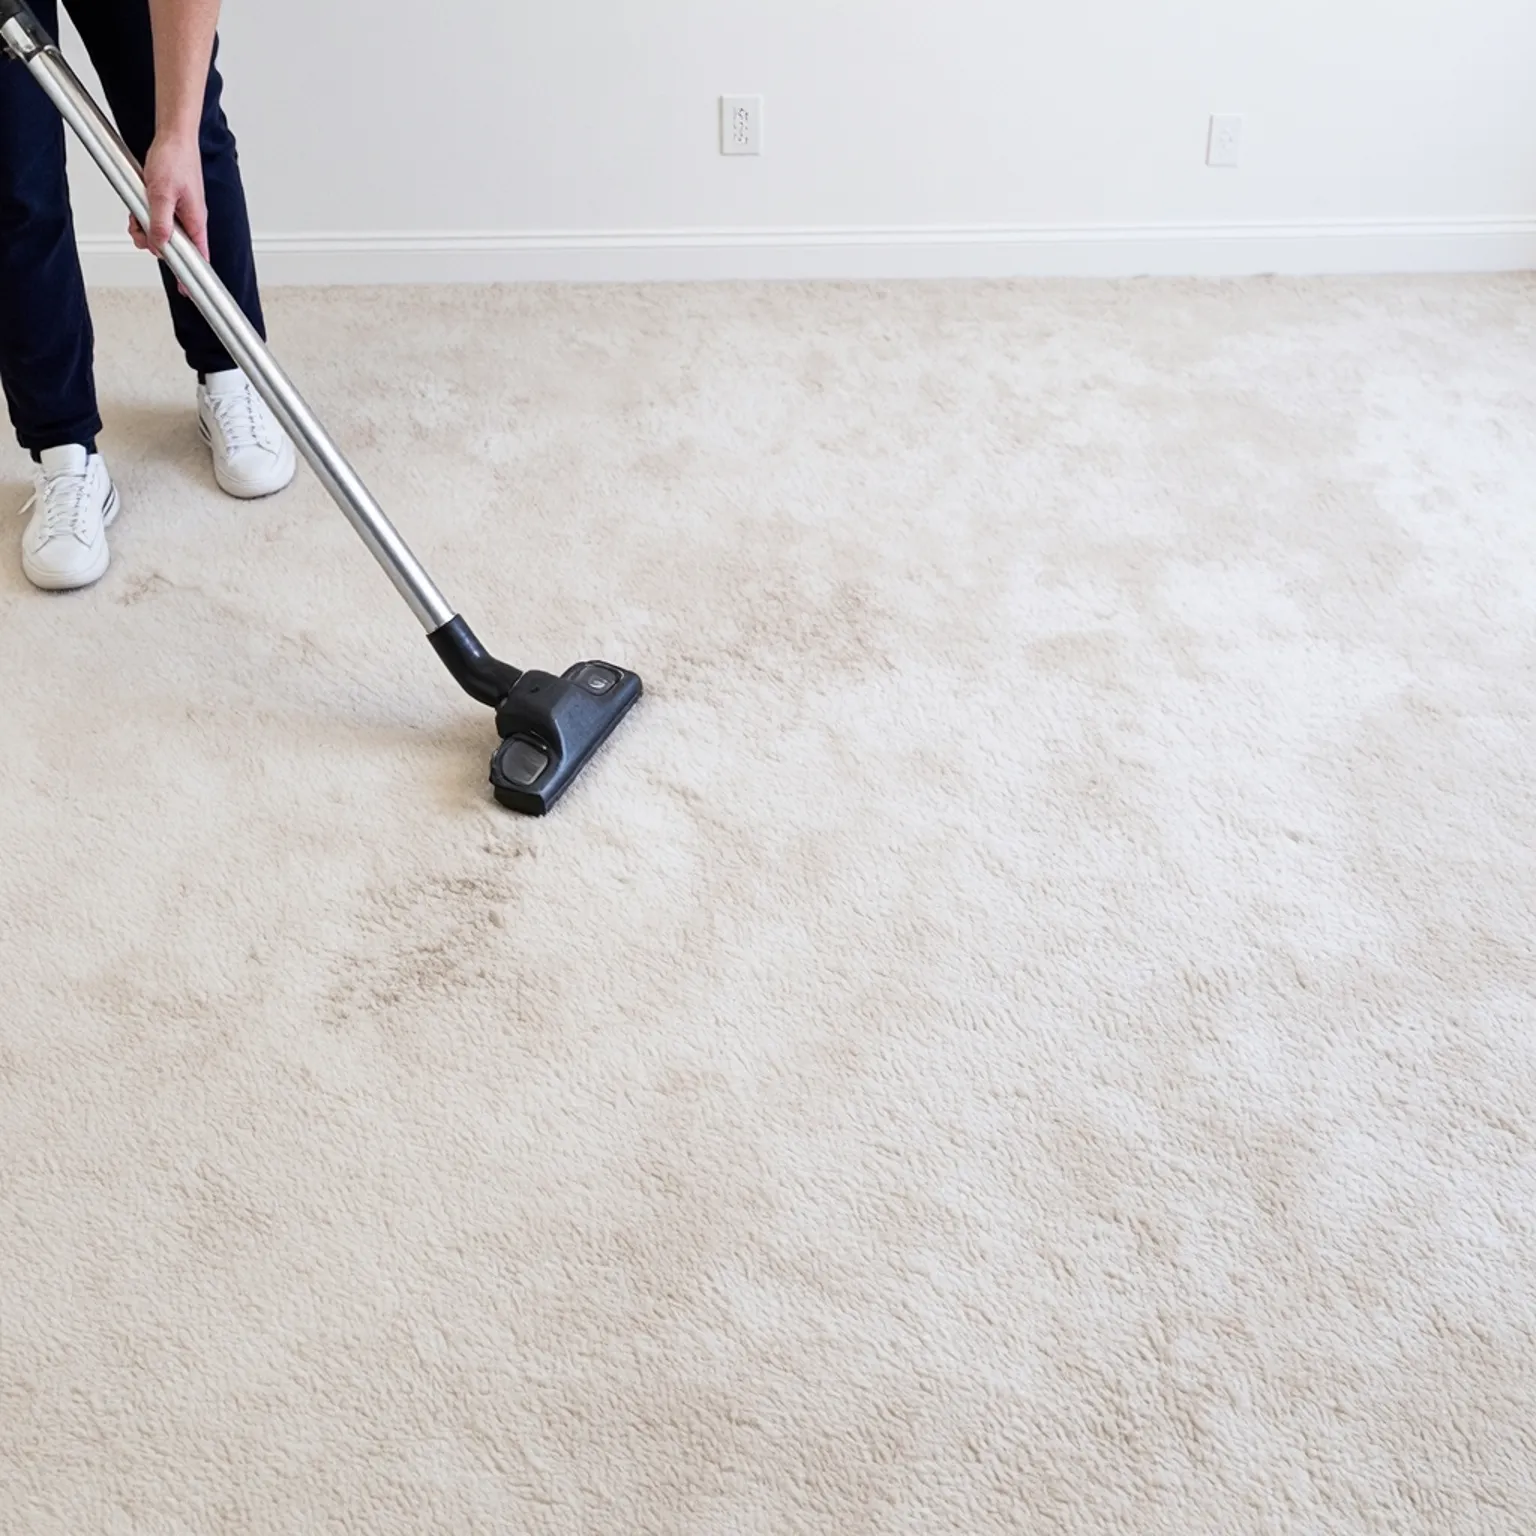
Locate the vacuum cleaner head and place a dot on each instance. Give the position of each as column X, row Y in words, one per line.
column 551, row 725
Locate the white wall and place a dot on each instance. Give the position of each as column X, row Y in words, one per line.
column 508, row 138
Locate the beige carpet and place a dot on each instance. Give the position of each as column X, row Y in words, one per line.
column 1029, row 1028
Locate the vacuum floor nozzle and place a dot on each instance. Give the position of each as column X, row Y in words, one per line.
column 550, row 726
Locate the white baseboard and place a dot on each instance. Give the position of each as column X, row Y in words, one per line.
column 1107, row 250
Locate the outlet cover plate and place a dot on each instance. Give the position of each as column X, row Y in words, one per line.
column 1224, row 147
column 741, row 125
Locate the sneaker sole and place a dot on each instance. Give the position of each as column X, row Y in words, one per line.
column 235, row 488
column 51, row 581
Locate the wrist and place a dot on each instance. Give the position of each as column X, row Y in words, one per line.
column 176, row 133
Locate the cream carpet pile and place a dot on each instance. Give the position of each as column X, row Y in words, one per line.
column 1027, row 1028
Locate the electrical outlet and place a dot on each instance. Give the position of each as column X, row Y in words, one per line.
column 1224, row 147
column 741, row 125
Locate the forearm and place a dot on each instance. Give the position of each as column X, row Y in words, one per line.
column 183, row 32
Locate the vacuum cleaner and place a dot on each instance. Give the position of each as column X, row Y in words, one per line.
column 549, row 726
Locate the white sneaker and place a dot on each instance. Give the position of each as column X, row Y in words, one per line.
column 73, row 502
column 252, row 455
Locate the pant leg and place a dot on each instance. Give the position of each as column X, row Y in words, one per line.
column 117, row 35
column 45, row 327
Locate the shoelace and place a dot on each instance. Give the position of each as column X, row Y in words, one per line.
column 239, row 422
column 63, row 505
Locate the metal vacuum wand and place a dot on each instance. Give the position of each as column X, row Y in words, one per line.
column 550, row 725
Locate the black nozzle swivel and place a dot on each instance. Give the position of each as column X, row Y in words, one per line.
column 474, row 669
column 550, row 726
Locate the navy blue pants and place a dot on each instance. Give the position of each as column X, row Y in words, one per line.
column 45, row 327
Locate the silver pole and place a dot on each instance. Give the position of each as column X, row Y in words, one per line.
column 49, row 67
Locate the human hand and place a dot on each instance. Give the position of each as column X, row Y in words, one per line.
column 173, row 177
